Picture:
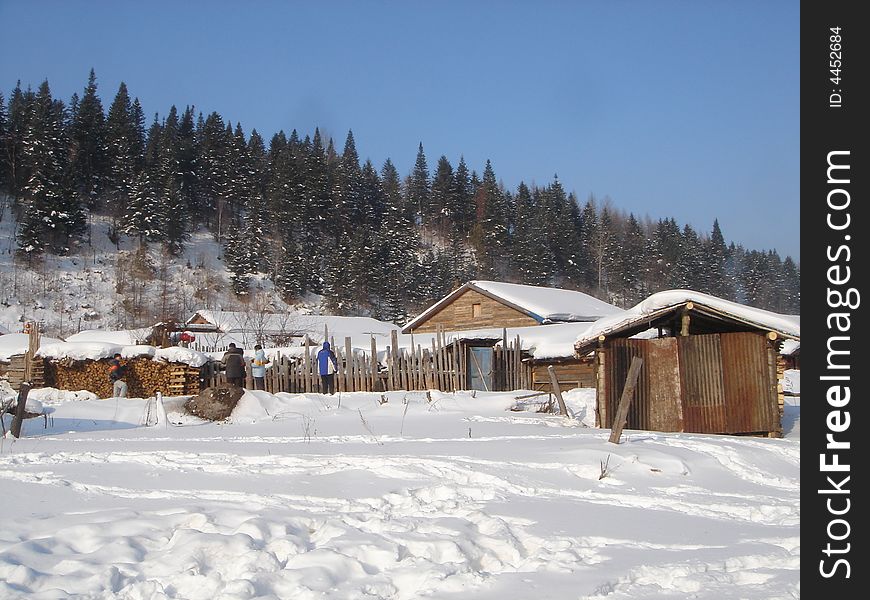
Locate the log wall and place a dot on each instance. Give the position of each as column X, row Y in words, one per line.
column 571, row 374
column 457, row 316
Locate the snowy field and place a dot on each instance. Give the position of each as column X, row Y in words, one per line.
column 311, row 496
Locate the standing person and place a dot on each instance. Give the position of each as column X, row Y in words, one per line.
column 233, row 362
column 327, row 365
column 117, row 372
column 258, row 368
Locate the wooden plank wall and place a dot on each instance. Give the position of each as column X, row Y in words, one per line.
column 571, row 374
column 458, row 316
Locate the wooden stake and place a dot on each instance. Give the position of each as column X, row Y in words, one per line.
column 554, row 382
column 621, row 417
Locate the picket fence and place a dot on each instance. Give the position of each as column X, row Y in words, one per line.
column 444, row 366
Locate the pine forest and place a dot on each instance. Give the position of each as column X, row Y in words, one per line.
column 305, row 216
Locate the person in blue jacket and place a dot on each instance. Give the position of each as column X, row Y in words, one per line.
column 327, row 365
column 258, row 367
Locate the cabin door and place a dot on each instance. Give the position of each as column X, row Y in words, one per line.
column 480, row 368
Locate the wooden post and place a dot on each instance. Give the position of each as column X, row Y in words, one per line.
column 306, row 363
column 554, row 382
column 348, row 372
column 24, row 389
column 459, row 372
column 684, row 319
column 18, row 418
column 620, row 419
column 375, row 380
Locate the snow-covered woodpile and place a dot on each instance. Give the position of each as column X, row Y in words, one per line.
column 144, row 377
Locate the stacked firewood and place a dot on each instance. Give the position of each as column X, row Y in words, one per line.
column 144, row 377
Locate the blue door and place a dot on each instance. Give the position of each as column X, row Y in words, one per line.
column 479, row 366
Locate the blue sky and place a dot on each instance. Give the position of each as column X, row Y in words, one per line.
column 682, row 109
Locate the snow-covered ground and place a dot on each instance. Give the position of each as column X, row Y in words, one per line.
column 309, row 496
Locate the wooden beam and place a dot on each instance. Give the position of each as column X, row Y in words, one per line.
column 620, row 419
column 557, row 390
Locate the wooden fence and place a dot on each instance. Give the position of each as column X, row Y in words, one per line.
column 441, row 366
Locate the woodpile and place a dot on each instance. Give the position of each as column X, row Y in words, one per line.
column 145, row 377
column 15, row 371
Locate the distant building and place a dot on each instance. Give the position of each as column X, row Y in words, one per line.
column 483, row 314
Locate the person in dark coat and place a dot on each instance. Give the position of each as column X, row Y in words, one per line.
column 327, row 365
column 117, row 372
column 233, row 362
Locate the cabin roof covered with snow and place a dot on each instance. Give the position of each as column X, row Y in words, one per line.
column 543, row 304
column 292, row 323
column 660, row 307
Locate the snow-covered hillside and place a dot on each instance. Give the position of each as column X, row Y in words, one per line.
column 313, row 496
column 109, row 286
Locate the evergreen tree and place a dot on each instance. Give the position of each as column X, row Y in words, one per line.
column 419, row 187
column 587, row 233
column 397, row 248
column 667, row 248
column 317, row 205
column 187, row 168
column 461, row 207
column 4, row 134
column 719, row 282
column 533, row 260
column 440, row 197
column 172, row 206
column 237, row 259
column 791, row 287
column 88, row 146
column 18, row 119
column 691, row 262
column 631, row 287
column 489, row 235
column 371, row 198
column 52, row 214
column 214, row 174
column 123, row 147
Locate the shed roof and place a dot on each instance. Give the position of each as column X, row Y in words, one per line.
column 289, row 323
column 661, row 306
column 543, row 304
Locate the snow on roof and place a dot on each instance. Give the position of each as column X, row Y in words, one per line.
column 789, row 347
column 96, row 350
column 292, row 323
column 555, row 340
column 541, row 303
column 661, row 302
column 17, row 343
column 126, row 337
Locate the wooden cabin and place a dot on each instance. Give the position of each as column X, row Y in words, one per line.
column 481, row 314
column 709, row 365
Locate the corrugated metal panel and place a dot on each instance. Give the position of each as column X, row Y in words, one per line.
column 656, row 402
column 712, row 383
column 619, row 359
column 703, row 394
column 750, row 395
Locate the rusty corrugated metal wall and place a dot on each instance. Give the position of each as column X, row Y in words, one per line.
column 655, row 405
column 714, row 383
column 750, row 394
column 703, row 392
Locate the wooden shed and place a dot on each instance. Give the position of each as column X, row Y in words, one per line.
column 709, row 365
column 486, row 312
